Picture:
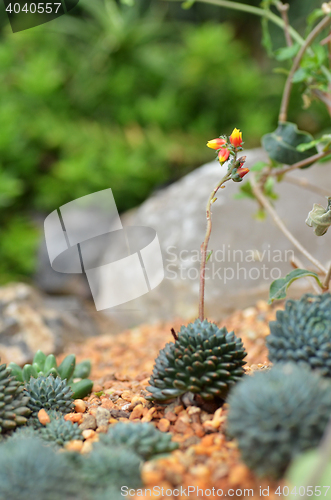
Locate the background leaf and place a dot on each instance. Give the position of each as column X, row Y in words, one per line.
column 281, row 145
column 278, row 288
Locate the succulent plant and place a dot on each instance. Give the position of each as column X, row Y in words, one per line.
column 13, row 402
column 302, row 333
column 204, row 359
column 111, row 493
column 43, row 365
column 49, row 393
column 275, row 415
column 33, row 471
column 60, row 431
column 108, row 467
column 142, row 438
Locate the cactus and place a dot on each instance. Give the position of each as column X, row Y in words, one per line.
column 302, row 333
column 142, row 438
column 49, row 393
column 277, row 414
column 204, row 359
column 33, row 471
column 13, row 402
column 115, row 467
column 61, row 431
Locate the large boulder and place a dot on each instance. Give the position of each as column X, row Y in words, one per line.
column 30, row 321
column 248, row 254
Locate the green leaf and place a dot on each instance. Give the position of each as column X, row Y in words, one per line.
column 188, row 4
column 209, row 255
column 312, row 18
column 260, row 214
column 301, row 470
column 300, row 75
column 258, row 166
column 281, row 145
column 279, row 287
column 245, row 191
column 287, row 52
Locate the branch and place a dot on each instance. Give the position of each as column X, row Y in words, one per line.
column 256, row 11
column 327, row 279
column 265, row 203
column 288, row 85
column 304, row 183
column 297, row 264
column 283, row 9
column 312, row 159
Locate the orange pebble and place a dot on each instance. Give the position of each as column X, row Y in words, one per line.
column 43, row 417
column 163, row 425
column 74, row 445
column 137, row 412
column 80, row 406
column 73, row 417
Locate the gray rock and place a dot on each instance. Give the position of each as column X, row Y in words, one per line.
column 247, row 254
column 89, row 422
column 30, row 321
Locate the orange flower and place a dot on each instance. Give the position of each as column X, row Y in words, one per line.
column 223, row 155
column 242, row 171
column 216, row 143
column 236, row 138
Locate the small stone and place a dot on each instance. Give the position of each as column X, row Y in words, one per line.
column 88, row 434
column 74, row 445
column 43, row 417
column 163, row 425
column 149, row 415
column 238, row 474
column 80, row 406
column 103, row 429
column 102, row 416
column 89, row 422
column 119, row 414
column 73, row 417
column 137, row 412
column 127, row 396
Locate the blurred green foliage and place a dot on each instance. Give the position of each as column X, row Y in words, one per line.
column 115, row 97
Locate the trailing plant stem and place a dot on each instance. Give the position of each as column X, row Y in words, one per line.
column 312, row 159
column 204, row 245
column 258, row 12
column 265, row 203
column 288, row 85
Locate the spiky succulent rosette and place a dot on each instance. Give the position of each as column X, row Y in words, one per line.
column 49, row 393
column 302, row 333
column 142, row 438
column 204, row 360
column 13, row 402
column 277, row 414
column 60, row 431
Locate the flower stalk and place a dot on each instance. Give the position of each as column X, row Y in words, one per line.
column 227, row 147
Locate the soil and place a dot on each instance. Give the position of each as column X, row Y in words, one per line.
column 121, row 368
